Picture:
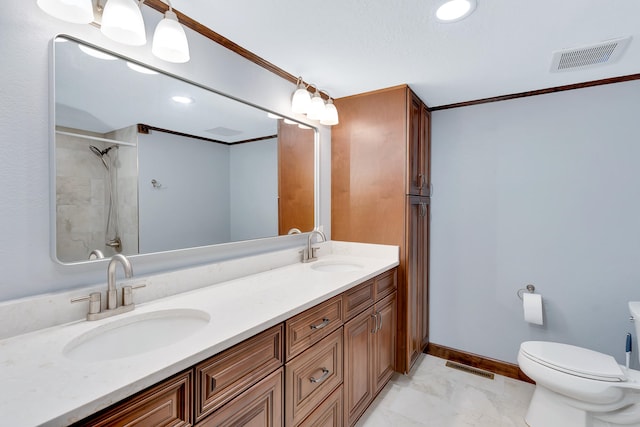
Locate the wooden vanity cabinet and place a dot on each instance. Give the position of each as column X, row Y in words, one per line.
column 380, row 161
column 370, row 346
column 226, row 375
column 168, row 403
column 261, row 405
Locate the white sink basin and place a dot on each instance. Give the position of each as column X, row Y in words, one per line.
column 336, row 266
column 136, row 334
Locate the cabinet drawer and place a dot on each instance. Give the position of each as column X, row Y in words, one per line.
column 259, row 406
column 311, row 377
column 385, row 283
column 310, row 326
column 328, row 414
column 166, row 404
column 357, row 299
column 229, row 373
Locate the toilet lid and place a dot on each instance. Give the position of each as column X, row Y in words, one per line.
column 574, row 360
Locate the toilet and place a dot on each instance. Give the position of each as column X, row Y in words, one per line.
column 577, row 387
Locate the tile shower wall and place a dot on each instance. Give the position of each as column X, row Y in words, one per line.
column 82, row 196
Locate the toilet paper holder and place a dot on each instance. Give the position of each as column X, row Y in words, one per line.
column 529, row 288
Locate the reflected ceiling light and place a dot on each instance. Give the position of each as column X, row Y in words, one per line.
column 122, row 22
column 140, row 68
column 96, row 53
column 273, row 116
column 75, row 11
column 330, row 115
column 183, row 99
column 170, row 40
column 455, row 10
column 301, row 98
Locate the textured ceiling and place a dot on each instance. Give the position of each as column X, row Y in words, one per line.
column 353, row 46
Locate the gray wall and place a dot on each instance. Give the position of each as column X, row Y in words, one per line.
column 25, row 256
column 542, row 190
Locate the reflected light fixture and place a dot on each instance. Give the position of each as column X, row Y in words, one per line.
column 455, row 10
column 169, row 39
column 96, row 53
column 74, row 11
column 274, row 116
column 289, row 121
column 122, row 22
column 301, row 98
column 140, row 68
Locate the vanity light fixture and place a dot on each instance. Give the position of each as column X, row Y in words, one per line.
column 74, row 11
column 301, row 100
column 122, row 22
column 316, row 109
column 169, row 39
column 313, row 106
column 455, row 10
column 330, row 115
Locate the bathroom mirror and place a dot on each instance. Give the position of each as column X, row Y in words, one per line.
column 145, row 162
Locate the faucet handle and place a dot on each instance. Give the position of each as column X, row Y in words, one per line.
column 314, row 250
column 127, row 292
column 94, row 301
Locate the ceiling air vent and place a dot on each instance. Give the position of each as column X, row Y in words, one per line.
column 589, row 56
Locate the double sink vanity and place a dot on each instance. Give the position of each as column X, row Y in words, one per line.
column 291, row 334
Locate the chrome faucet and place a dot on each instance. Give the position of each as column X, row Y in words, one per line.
column 112, row 292
column 309, row 254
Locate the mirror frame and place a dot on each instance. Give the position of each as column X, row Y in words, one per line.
column 52, row 156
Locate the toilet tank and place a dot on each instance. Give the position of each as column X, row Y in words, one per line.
column 634, row 309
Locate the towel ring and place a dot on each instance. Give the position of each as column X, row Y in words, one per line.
column 530, row 288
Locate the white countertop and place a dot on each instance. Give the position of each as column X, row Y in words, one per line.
column 42, row 386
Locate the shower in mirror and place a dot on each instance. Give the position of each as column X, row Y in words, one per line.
column 112, row 234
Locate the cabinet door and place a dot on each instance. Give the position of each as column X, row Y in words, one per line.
column 423, row 283
column 358, row 365
column 259, row 406
column 425, row 149
column 165, row 404
column 415, row 271
column 416, row 178
column 384, row 360
column 295, row 178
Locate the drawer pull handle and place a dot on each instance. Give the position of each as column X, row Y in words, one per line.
column 375, row 319
column 325, row 374
column 324, row 323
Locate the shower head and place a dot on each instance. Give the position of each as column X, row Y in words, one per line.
column 95, row 150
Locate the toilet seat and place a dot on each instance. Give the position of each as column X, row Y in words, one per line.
column 573, row 360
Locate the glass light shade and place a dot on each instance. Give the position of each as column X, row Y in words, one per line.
column 330, row 116
column 75, row 11
column 169, row 40
column 455, row 10
column 122, row 22
column 316, row 109
column 301, row 100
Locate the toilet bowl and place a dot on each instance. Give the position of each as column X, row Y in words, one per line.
column 577, row 387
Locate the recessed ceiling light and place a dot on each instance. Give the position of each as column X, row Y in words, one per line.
column 96, row 53
column 140, row 68
column 182, row 99
column 455, row 10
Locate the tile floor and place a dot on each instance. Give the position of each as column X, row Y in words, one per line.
column 437, row 396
